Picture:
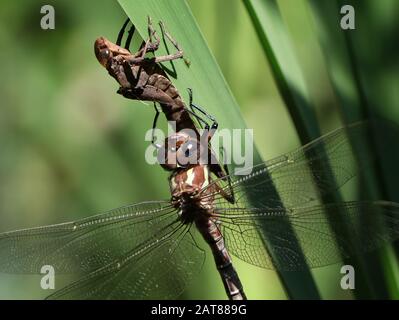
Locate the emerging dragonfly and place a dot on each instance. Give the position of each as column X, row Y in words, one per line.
column 144, row 78
column 141, row 77
column 149, row 251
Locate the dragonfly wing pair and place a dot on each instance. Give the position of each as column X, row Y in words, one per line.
column 371, row 225
column 144, row 251
column 140, row 251
column 303, row 179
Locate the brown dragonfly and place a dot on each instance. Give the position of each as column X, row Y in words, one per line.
column 150, row 250
column 143, row 78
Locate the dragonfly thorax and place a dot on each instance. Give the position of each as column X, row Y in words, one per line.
column 189, row 181
column 185, row 187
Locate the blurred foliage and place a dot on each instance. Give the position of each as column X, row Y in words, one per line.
column 70, row 146
column 277, row 44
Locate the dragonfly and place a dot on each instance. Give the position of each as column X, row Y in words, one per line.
column 151, row 250
column 143, row 78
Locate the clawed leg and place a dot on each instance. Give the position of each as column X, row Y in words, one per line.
column 146, row 46
column 129, row 36
column 121, row 32
column 209, row 130
column 154, row 125
column 154, row 45
column 230, row 197
column 174, row 56
column 151, row 44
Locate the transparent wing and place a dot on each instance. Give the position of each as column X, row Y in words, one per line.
column 160, row 268
column 83, row 245
column 370, row 224
column 296, row 174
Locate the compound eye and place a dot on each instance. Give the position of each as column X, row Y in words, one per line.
column 189, row 149
column 105, row 54
column 187, row 154
column 167, row 158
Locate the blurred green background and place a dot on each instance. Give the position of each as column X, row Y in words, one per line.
column 70, row 146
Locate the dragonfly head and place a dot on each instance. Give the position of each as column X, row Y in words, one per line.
column 181, row 150
column 105, row 50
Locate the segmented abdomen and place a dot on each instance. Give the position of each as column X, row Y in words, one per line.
column 164, row 84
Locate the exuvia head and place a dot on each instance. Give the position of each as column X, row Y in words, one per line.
column 180, row 151
column 105, row 50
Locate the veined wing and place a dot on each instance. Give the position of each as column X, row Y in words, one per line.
column 160, row 268
column 84, row 245
column 299, row 176
column 370, row 224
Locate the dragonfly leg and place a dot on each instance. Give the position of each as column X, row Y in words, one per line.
column 154, row 45
column 146, row 46
column 129, row 36
column 209, row 129
column 154, row 125
column 141, row 54
column 149, row 45
column 230, row 197
column 174, row 56
column 121, row 32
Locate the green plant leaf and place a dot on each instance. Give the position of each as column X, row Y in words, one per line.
column 345, row 69
column 272, row 34
column 288, row 74
column 209, row 86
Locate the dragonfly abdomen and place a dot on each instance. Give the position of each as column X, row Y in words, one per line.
column 209, row 229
